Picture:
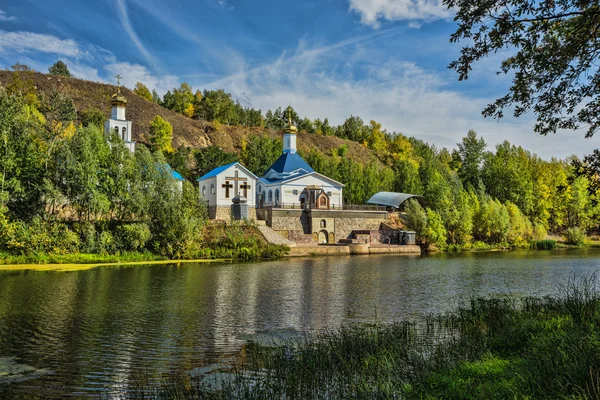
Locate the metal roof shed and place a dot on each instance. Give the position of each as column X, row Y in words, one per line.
column 394, row 199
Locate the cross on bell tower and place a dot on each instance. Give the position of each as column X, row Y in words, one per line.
column 118, row 77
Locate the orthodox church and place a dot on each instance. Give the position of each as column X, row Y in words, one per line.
column 290, row 183
column 120, row 126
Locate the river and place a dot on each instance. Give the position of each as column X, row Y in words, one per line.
column 90, row 333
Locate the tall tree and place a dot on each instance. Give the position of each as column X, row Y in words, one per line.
column 59, row 68
column 161, row 134
column 142, row 91
column 471, row 151
column 551, row 50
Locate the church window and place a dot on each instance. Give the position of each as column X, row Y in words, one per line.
column 323, row 223
column 276, row 196
column 329, row 194
column 203, row 190
column 124, row 131
column 117, row 130
column 212, row 188
column 259, row 188
column 270, row 196
column 295, row 192
column 264, row 196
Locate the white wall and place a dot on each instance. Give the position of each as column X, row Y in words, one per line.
column 219, row 198
column 287, row 190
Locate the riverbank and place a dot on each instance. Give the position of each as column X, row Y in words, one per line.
column 492, row 348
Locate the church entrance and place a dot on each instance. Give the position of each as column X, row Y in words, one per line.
column 323, row 237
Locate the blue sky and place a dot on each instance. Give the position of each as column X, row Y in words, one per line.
column 380, row 59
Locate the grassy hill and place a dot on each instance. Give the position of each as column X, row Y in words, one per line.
column 186, row 131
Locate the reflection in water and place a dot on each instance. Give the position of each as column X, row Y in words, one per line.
column 94, row 331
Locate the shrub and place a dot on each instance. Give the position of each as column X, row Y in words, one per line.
column 106, row 243
column 575, row 236
column 132, row 237
column 543, row 244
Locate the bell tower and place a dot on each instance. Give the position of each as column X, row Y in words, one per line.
column 117, row 124
column 289, row 137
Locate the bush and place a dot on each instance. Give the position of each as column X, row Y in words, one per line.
column 543, row 244
column 106, row 243
column 42, row 236
column 132, row 237
column 575, row 236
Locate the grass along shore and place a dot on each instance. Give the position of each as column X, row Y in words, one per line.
column 534, row 348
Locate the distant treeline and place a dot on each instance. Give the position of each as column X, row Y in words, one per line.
column 478, row 197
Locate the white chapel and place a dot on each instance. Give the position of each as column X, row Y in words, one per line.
column 289, row 183
column 117, row 122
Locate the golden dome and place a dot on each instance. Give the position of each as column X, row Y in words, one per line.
column 118, row 99
column 290, row 128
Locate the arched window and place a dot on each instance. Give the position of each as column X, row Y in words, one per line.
column 276, row 196
column 117, row 130
column 323, row 223
column 124, row 131
column 212, row 188
column 204, row 190
column 259, row 188
column 270, row 196
column 264, row 196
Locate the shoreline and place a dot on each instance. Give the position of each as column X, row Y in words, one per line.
column 82, row 267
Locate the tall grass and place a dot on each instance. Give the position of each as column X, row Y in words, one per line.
column 538, row 348
column 545, row 244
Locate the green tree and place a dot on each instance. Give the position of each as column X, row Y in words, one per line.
column 21, row 67
column 92, row 116
column 59, row 68
column 161, row 134
column 550, row 47
column 142, row 91
column 180, row 100
column 210, row 158
column 471, row 151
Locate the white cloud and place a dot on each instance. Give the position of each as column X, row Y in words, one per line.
column 4, row 17
column 126, row 24
column 400, row 95
column 23, row 42
column 372, row 12
column 133, row 73
column 414, row 25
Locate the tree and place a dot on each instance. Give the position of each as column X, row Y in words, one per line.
column 180, row 99
column 156, row 97
column 553, row 57
column 471, row 151
column 142, row 91
column 161, row 134
column 21, row 67
column 59, row 68
column 92, row 116
column 210, row 158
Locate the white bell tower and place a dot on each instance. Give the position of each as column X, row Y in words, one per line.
column 117, row 124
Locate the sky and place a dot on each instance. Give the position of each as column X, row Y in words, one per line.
column 383, row 60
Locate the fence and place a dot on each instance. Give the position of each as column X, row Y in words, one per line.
column 301, row 206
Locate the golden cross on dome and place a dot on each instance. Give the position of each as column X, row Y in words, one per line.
column 119, row 77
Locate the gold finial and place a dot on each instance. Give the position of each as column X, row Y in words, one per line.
column 290, row 128
column 118, row 99
column 119, row 77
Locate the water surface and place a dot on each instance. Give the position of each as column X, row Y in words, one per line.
column 88, row 333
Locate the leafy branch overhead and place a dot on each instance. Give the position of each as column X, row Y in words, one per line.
column 552, row 49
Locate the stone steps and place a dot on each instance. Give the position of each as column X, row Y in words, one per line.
column 273, row 237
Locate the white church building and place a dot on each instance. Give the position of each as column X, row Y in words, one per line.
column 122, row 128
column 290, row 183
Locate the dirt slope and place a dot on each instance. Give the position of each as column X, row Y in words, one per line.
column 186, row 131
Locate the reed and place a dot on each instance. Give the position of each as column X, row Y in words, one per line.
column 542, row 348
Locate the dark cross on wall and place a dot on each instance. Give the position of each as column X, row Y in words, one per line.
column 244, row 186
column 227, row 186
column 237, row 179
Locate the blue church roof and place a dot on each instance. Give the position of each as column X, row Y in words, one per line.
column 174, row 174
column 290, row 162
column 216, row 171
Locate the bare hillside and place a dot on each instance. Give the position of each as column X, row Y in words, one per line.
column 186, row 131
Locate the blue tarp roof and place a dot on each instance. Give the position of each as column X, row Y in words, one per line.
column 216, row 171
column 290, row 162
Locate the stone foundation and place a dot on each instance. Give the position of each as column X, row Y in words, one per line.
column 224, row 213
